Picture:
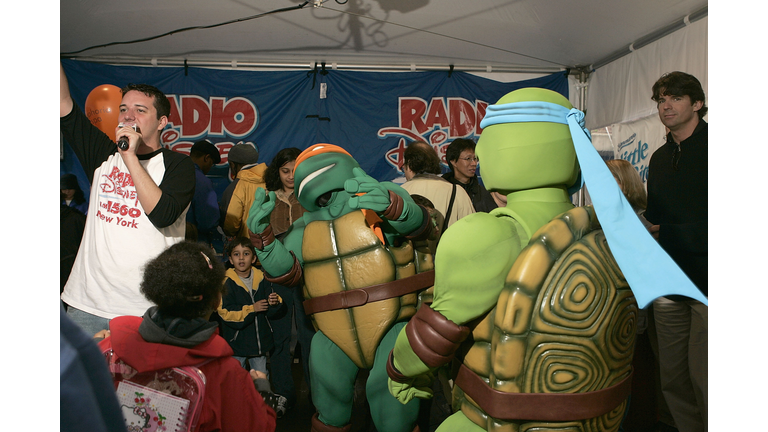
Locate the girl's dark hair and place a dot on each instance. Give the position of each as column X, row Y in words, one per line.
column 184, row 281
column 272, row 174
column 238, row 241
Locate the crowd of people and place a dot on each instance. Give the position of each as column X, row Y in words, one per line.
column 188, row 307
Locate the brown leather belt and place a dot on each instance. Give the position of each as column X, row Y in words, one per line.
column 542, row 406
column 361, row 296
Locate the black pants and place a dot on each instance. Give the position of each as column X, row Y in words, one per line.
column 281, row 358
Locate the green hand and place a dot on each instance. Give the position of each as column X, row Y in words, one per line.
column 261, row 209
column 420, row 386
column 376, row 196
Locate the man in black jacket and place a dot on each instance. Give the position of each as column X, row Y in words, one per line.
column 463, row 164
column 677, row 208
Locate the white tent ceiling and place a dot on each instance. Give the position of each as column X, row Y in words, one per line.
column 488, row 35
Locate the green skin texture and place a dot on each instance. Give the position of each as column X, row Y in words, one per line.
column 332, row 373
column 533, row 164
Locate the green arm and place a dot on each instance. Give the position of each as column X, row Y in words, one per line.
column 471, row 264
column 376, row 197
column 274, row 257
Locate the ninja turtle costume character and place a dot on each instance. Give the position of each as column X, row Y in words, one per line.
column 534, row 307
column 353, row 252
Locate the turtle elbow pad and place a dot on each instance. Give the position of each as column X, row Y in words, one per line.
column 262, row 239
column 426, row 230
column 395, row 208
column 433, row 337
column 291, row 278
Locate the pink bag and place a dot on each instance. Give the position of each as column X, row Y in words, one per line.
column 165, row 400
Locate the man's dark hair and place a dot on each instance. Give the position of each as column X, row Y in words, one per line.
column 421, row 158
column 162, row 105
column 195, row 153
column 455, row 148
column 680, row 84
column 272, row 174
column 184, row 280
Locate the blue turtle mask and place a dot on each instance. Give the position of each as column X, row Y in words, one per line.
column 648, row 269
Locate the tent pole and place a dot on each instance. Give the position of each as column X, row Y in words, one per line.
column 581, row 197
column 249, row 65
column 652, row 37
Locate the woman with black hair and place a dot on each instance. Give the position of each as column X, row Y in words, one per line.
column 186, row 283
column 279, row 179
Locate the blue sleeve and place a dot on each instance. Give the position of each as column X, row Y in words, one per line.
column 86, row 392
column 204, row 204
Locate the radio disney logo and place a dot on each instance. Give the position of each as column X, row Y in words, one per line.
column 193, row 118
column 436, row 122
column 118, row 185
column 635, row 153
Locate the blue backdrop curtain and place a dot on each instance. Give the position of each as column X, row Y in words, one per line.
column 373, row 115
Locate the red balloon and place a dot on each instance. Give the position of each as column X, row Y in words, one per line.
column 102, row 107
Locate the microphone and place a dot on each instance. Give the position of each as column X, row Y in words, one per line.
column 122, row 142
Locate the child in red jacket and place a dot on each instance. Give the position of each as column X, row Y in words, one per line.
column 185, row 282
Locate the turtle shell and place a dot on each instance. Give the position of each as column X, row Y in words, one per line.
column 564, row 323
column 345, row 254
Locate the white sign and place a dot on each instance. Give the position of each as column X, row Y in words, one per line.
column 636, row 141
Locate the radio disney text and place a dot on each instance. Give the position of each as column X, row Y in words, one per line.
column 119, row 184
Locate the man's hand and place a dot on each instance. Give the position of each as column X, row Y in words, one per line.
column 133, row 136
column 66, row 102
column 261, row 209
column 376, row 196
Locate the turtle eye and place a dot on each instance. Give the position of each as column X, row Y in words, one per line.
column 311, row 177
column 324, row 199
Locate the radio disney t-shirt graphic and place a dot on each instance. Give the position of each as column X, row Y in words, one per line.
column 120, row 237
column 120, row 184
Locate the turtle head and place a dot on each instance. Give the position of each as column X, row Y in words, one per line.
column 319, row 175
column 518, row 153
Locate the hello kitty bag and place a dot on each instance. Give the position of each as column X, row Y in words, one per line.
column 165, row 400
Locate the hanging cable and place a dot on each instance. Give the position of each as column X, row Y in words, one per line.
column 191, row 28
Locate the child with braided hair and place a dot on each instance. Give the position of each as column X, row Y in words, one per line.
column 185, row 282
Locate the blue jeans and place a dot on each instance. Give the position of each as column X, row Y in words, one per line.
column 91, row 324
column 258, row 363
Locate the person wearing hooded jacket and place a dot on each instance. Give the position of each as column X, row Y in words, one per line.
column 243, row 326
column 185, row 282
column 236, row 200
